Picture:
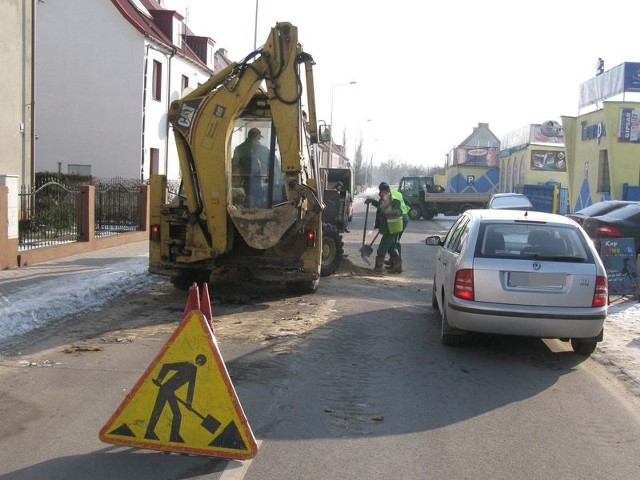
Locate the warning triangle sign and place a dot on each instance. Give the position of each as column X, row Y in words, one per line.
column 185, row 401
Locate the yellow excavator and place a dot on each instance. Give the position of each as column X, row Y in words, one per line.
column 249, row 206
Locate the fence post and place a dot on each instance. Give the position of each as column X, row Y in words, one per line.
column 9, row 229
column 143, row 208
column 7, row 251
column 86, row 201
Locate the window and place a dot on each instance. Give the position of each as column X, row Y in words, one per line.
column 211, row 59
column 532, row 241
column 185, row 82
column 157, row 80
column 454, row 241
column 178, row 31
column 604, row 184
column 154, row 161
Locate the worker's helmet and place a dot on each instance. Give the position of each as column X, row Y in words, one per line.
column 255, row 133
column 384, row 187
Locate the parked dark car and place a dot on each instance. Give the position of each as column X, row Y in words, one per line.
column 623, row 222
column 597, row 209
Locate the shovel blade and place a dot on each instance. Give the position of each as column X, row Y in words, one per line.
column 365, row 252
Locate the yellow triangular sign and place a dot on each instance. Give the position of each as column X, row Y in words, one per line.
column 185, row 401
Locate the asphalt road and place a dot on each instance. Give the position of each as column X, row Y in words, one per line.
column 349, row 383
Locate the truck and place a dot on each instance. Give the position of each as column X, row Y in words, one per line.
column 249, row 207
column 426, row 199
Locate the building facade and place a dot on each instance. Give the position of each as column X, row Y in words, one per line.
column 533, row 155
column 107, row 71
column 16, row 134
column 603, row 152
column 472, row 166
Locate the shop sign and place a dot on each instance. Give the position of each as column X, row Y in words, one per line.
column 593, row 132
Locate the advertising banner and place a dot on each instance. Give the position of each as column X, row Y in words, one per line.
column 477, row 156
column 619, row 258
column 548, row 160
column 629, row 125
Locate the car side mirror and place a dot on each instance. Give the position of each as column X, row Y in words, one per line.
column 434, row 241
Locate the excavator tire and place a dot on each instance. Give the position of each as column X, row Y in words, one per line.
column 332, row 250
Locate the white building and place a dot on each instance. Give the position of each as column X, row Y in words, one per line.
column 106, row 72
column 15, row 78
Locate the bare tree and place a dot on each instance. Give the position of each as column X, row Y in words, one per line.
column 360, row 175
column 390, row 170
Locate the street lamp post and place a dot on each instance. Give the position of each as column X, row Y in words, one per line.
column 255, row 29
column 330, row 159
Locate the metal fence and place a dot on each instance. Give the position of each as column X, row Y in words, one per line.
column 48, row 216
column 116, row 208
column 49, row 212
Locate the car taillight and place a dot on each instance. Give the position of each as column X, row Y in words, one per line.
column 463, row 285
column 607, row 231
column 601, row 292
column 310, row 238
column 154, row 233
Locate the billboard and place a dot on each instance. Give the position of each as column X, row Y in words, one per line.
column 620, row 79
column 629, row 125
column 477, row 156
column 548, row 160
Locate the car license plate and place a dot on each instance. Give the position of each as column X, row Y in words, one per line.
column 536, row 280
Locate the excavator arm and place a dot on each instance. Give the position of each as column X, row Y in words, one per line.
column 204, row 122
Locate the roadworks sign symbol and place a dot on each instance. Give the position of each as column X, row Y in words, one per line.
column 185, row 401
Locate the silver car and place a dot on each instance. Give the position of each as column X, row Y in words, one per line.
column 520, row 273
column 510, row 201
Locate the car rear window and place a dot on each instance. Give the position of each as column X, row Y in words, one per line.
column 629, row 211
column 531, row 241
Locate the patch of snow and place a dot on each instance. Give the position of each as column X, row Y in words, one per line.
column 83, row 290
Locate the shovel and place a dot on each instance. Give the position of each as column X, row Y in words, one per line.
column 364, row 236
column 364, row 230
column 367, row 250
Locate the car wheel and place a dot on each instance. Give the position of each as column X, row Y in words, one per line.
column 414, row 213
column 583, row 347
column 434, row 296
column 447, row 337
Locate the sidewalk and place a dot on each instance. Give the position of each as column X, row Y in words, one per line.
column 33, row 295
